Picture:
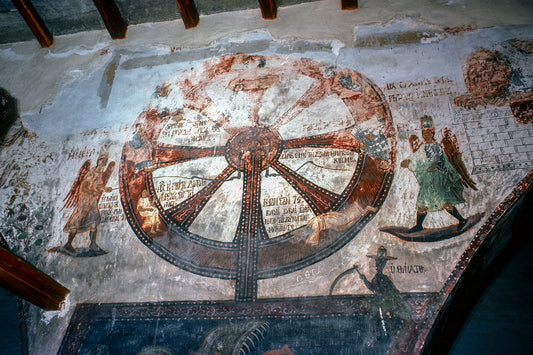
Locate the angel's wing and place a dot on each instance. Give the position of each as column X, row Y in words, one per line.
column 74, row 194
column 108, row 172
column 451, row 148
column 414, row 142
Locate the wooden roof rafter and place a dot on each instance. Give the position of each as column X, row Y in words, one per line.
column 34, row 22
column 112, row 18
column 189, row 13
column 269, row 10
column 349, row 5
column 117, row 27
column 28, row 282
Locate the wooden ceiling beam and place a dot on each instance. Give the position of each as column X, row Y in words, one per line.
column 188, row 12
column 35, row 22
column 24, row 280
column 112, row 18
column 349, row 4
column 269, row 10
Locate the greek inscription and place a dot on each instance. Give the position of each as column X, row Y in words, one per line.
column 413, row 90
column 284, row 213
column 81, row 153
column 316, row 154
column 308, row 275
column 406, row 269
column 170, row 192
column 110, row 208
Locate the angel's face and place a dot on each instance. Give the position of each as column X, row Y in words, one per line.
column 100, row 163
column 428, row 134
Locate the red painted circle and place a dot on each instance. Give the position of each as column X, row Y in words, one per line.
column 254, row 147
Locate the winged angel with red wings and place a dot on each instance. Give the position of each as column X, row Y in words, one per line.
column 440, row 172
column 84, row 196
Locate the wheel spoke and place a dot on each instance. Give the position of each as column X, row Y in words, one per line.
column 186, row 212
column 343, row 139
column 250, row 229
column 319, row 199
column 315, row 92
column 166, row 154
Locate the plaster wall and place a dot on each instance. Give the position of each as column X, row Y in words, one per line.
column 87, row 91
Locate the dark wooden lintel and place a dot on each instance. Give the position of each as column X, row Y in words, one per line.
column 112, row 18
column 35, row 22
column 188, row 12
column 269, row 9
column 24, row 280
column 349, row 4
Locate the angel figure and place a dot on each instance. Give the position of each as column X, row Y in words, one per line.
column 333, row 220
column 440, row 172
column 84, row 196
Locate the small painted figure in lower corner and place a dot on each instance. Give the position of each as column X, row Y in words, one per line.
column 442, row 176
column 389, row 309
column 84, row 196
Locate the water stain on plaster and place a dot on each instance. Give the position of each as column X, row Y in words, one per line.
column 400, row 38
column 104, row 90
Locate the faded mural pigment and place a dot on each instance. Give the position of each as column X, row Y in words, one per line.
column 262, row 195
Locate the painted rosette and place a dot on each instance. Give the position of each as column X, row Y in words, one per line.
column 250, row 167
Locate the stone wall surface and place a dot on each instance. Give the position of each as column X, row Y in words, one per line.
column 247, row 161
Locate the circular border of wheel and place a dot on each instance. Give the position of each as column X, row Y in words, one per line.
column 269, row 257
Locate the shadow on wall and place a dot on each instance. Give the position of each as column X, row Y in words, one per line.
column 8, row 112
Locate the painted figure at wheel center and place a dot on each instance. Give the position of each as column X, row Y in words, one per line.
column 440, row 172
column 84, row 195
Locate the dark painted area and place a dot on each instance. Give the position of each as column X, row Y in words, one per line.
column 315, row 325
column 510, row 233
column 10, row 340
column 302, row 336
column 499, row 323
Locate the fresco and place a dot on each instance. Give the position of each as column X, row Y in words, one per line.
column 290, row 189
column 441, row 175
column 84, row 196
column 259, row 196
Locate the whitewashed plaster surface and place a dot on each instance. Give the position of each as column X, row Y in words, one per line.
column 87, row 91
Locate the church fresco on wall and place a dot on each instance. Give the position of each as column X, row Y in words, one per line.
column 266, row 188
column 272, row 203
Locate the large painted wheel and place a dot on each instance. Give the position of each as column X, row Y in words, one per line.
column 251, row 167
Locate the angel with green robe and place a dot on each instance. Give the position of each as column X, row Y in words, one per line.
column 440, row 172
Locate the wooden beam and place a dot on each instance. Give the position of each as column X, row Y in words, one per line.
column 349, row 4
column 35, row 22
column 24, row 280
column 269, row 10
column 188, row 12
column 112, row 18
